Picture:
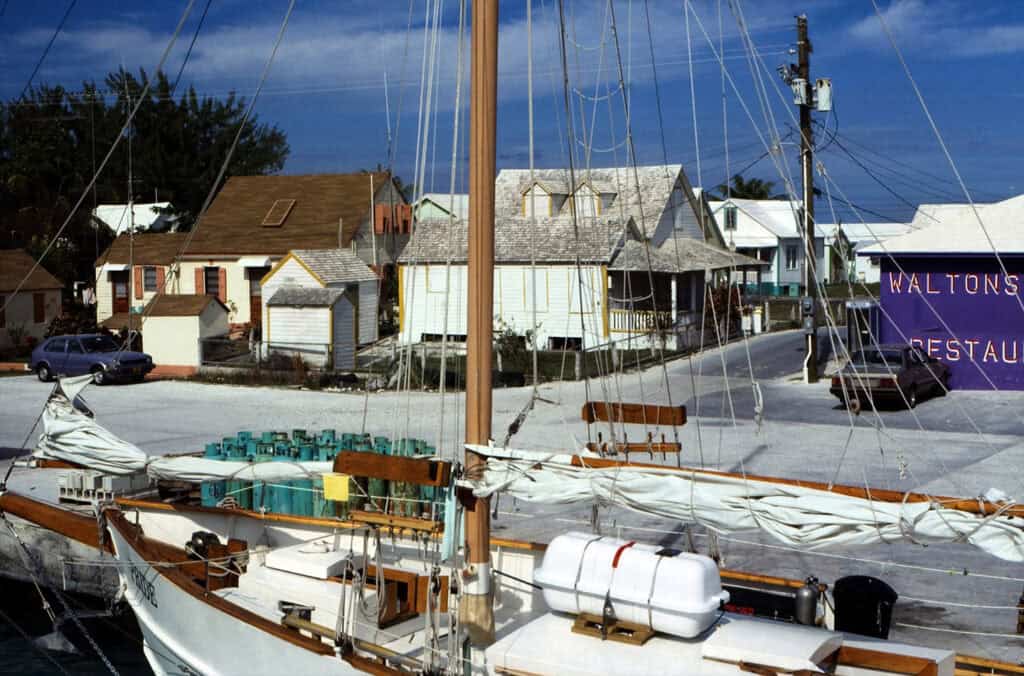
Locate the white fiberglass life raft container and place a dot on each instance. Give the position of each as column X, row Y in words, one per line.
column 674, row 593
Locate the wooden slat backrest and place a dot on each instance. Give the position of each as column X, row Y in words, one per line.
column 649, row 414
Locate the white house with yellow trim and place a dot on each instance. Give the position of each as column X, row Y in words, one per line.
column 320, row 304
column 624, row 255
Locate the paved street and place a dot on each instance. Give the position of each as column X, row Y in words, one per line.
column 803, row 434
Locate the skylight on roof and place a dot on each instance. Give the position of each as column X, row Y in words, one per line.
column 278, row 212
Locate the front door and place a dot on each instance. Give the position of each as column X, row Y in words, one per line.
column 256, row 295
column 119, row 284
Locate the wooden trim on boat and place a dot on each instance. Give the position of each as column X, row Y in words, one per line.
column 248, row 513
column 154, row 550
column 968, row 665
column 70, row 524
column 47, row 463
column 974, row 506
column 884, row 661
column 419, row 471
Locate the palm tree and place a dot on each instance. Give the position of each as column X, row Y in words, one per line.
column 749, row 189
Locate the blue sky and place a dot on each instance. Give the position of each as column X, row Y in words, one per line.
column 327, row 86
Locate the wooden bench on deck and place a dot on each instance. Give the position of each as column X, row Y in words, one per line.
column 641, row 414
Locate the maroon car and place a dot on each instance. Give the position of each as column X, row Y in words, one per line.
column 891, row 374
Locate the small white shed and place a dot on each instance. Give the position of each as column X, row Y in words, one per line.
column 176, row 325
column 327, row 269
column 319, row 325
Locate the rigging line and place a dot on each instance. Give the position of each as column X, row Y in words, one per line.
column 725, row 107
column 657, row 88
column 889, row 318
column 809, row 248
column 533, row 207
column 46, row 50
column 631, row 150
column 106, row 159
column 161, row 290
column 401, row 88
column 572, row 188
column 451, row 211
column 693, row 87
column 900, row 449
column 191, row 46
column 28, row 639
column 942, row 144
column 931, row 307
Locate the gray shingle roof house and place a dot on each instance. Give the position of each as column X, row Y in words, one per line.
column 574, row 254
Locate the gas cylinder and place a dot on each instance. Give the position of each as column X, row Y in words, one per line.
column 806, row 602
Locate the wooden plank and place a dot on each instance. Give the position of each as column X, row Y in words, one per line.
column 970, row 665
column 393, row 468
column 616, row 630
column 883, row 661
column 771, row 581
column 647, row 414
column 70, row 524
column 973, row 505
column 395, row 521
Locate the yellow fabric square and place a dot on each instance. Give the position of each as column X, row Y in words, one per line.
column 336, row 487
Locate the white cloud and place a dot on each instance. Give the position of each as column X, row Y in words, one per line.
column 940, row 28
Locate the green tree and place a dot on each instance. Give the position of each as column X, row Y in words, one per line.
column 748, row 189
column 52, row 140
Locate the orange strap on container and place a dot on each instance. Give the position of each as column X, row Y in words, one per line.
column 618, row 553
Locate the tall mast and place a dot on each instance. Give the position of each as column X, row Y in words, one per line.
column 476, row 611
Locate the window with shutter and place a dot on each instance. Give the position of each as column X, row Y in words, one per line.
column 149, row 282
column 211, row 281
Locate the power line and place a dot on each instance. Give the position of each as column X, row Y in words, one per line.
column 909, row 166
column 49, row 44
column 877, row 180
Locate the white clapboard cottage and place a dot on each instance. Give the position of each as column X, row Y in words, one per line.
column 321, row 305
column 619, row 255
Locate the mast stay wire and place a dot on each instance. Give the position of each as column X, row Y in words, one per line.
column 942, row 144
column 824, row 173
column 46, row 50
column 161, row 289
column 443, row 377
column 632, row 158
column 809, row 249
column 103, row 163
column 832, row 325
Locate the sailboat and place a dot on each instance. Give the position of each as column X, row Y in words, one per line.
column 227, row 590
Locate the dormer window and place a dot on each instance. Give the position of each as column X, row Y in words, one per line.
column 586, row 202
column 730, row 217
column 537, row 202
column 278, row 213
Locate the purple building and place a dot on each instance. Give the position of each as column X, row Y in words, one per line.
column 946, row 290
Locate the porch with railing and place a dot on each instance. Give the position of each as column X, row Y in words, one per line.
column 639, row 321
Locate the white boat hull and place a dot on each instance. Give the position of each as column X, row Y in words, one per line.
column 184, row 634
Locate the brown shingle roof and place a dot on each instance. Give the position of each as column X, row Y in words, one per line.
column 234, row 222
column 152, row 248
column 179, row 305
column 15, row 265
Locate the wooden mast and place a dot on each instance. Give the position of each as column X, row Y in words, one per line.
column 476, row 611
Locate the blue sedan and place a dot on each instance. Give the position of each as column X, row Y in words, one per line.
column 97, row 354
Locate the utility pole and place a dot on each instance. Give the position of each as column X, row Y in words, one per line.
column 806, row 103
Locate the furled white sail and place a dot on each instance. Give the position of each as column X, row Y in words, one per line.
column 72, row 436
column 803, row 517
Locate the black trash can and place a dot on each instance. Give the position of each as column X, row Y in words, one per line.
column 863, row 605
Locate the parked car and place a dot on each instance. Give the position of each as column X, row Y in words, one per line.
column 96, row 353
column 891, row 374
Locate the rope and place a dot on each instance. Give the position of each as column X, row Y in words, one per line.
column 32, row 569
column 28, row 639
